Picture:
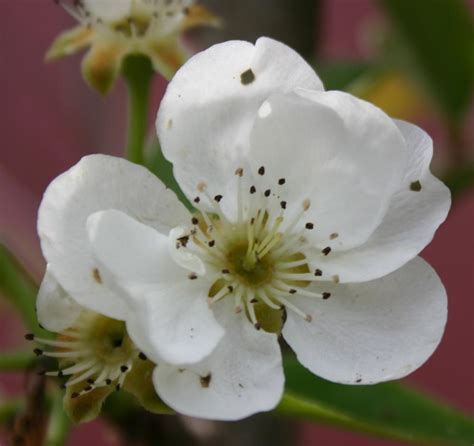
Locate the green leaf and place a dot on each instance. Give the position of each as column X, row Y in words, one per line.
column 339, row 75
column 437, row 36
column 163, row 169
column 391, row 410
column 17, row 286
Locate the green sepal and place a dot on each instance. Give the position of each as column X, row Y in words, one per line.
column 87, row 406
column 101, row 65
column 69, row 42
column 139, row 383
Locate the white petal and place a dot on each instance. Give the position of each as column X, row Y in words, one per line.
column 169, row 317
column 371, row 332
column 56, row 311
column 98, row 182
column 207, row 112
column 183, row 256
column 409, row 224
column 243, row 376
column 342, row 153
column 109, row 10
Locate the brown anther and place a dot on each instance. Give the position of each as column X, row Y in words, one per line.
column 142, row 356
column 306, row 204
column 335, row 278
column 74, row 395
column 309, row 225
column 239, row 172
column 254, row 301
column 247, row 77
column 230, row 288
column 218, row 198
column 30, row 337
column 108, row 381
column 267, row 193
column 261, row 171
column 211, row 243
column 202, row 186
column 205, row 381
column 123, row 368
column 38, row 351
column 308, row 318
column 281, row 181
column 292, row 291
column 283, row 204
column 96, row 275
column 192, row 276
column 333, row 236
column 326, row 250
column 326, row 296
column 257, row 326
column 253, row 189
column 225, row 271
column 197, row 200
column 194, row 221
column 318, row 272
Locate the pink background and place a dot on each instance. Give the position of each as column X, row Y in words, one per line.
column 51, row 118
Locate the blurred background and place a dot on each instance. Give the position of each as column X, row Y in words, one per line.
column 413, row 58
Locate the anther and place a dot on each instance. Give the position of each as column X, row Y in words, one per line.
column 254, row 301
column 326, row 250
column 283, row 204
column 239, row 172
column 308, row 318
column 38, row 351
column 108, row 381
column 117, row 387
column 211, row 243
column 225, row 271
column 267, row 193
column 230, row 288
column 257, row 326
column 218, row 198
column 87, row 389
column 91, row 381
column 309, row 225
column 253, row 189
column 333, row 236
column 202, row 186
column 318, row 272
column 292, row 291
column 281, row 181
column 326, row 295
column 123, row 368
column 197, row 200
column 74, row 395
column 142, row 356
column 194, row 221
column 30, row 337
column 261, row 171
column 192, row 276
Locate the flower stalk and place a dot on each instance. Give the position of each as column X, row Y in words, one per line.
column 17, row 361
column 138, row 73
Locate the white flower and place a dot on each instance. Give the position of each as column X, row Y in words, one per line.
column 311, row 209
column 114, row 29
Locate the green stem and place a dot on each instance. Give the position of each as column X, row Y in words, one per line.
column 138, row 72
column 59, row 424
column 16, row 362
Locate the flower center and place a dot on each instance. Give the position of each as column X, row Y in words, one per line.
column 145, row 17
column 96, row 351
column 260, row 259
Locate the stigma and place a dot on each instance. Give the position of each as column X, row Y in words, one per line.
column 261, row 257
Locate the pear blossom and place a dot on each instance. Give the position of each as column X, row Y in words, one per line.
column 311, row 207
column 95, row 354
column 114, row 29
